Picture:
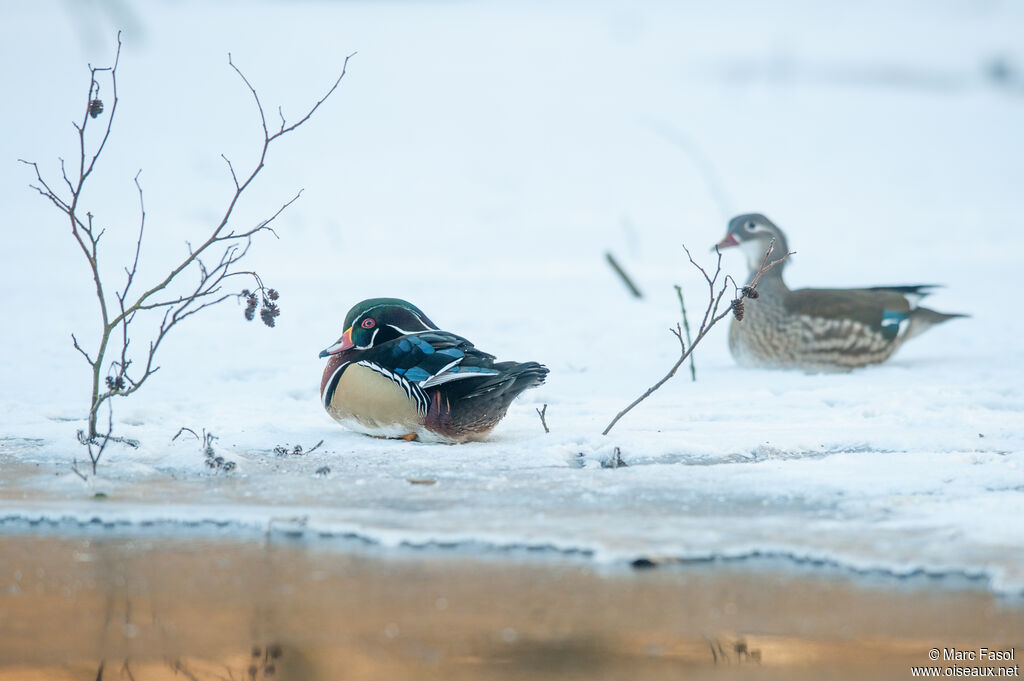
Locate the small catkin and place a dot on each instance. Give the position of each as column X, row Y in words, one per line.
column 737, row 309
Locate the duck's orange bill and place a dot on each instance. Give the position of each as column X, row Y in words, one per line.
column 728, row 241
column 344, row 343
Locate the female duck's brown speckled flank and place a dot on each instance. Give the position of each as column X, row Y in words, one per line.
column 818, row 329
column 393, row 373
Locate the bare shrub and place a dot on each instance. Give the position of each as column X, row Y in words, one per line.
column 716, row 292
column 117, row 367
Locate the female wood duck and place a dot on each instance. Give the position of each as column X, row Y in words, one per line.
column 393, row 373
column 818, row 329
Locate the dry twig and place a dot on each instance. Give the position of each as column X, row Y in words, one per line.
column 210, row 456
column 622, row 275
column 615, row 460
column 117, row 372
column 542, row 413
column 297, row 450
column 711, row 317
column 686, row 327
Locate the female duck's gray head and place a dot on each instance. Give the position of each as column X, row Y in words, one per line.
column 753, row 233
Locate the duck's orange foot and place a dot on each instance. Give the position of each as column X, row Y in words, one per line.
column 408, row 437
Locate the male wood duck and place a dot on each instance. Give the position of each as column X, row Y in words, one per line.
column 394, row 373
column 817, row 329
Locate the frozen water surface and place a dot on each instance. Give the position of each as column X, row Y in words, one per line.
column 478, row 160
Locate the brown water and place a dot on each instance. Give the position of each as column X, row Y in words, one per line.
column 169, row 608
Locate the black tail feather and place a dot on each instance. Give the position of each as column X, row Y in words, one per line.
column 912, row 289
column 515, row 377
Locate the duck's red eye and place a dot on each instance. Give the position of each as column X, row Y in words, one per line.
column 368, row 324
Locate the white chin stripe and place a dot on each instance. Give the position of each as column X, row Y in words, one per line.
column 334, row 348
column 331, row 386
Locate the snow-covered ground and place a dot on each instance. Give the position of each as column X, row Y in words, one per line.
column 478, row 160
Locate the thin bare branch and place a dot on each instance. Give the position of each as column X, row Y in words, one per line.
column 316, row 106
column 185, row 429
column 74, row 342
column 138, row 243
column 74, row 469
column 765, row 265
column 211, row 303
column 710, row 279
column 180, row 299
column 234, row 178
column 45, row 190
column 117, row 366
column 711, row 317
column 686, row 326
column 84, row 170
column 255, row 96
column 100, row 442
column 678, row 333
column 64, row 174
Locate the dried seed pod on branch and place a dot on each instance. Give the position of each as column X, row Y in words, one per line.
column 195, row 283
column 717, row 287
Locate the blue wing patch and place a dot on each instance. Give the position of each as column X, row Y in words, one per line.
column 474, row 370
column 421, row 345
column 423, row 360
column 891, row 323
column 417, row 374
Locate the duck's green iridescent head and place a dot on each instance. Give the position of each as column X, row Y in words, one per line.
column 379, row 320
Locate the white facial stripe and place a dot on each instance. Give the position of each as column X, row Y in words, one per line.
column 426, row 327
column 358, row 320
column 420, row 319
column 407, row 333
column 370, row 345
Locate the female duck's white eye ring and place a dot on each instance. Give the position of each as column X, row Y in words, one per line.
column 368, row 324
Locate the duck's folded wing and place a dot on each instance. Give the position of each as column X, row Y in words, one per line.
column 434, row 358
column 881, row 311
